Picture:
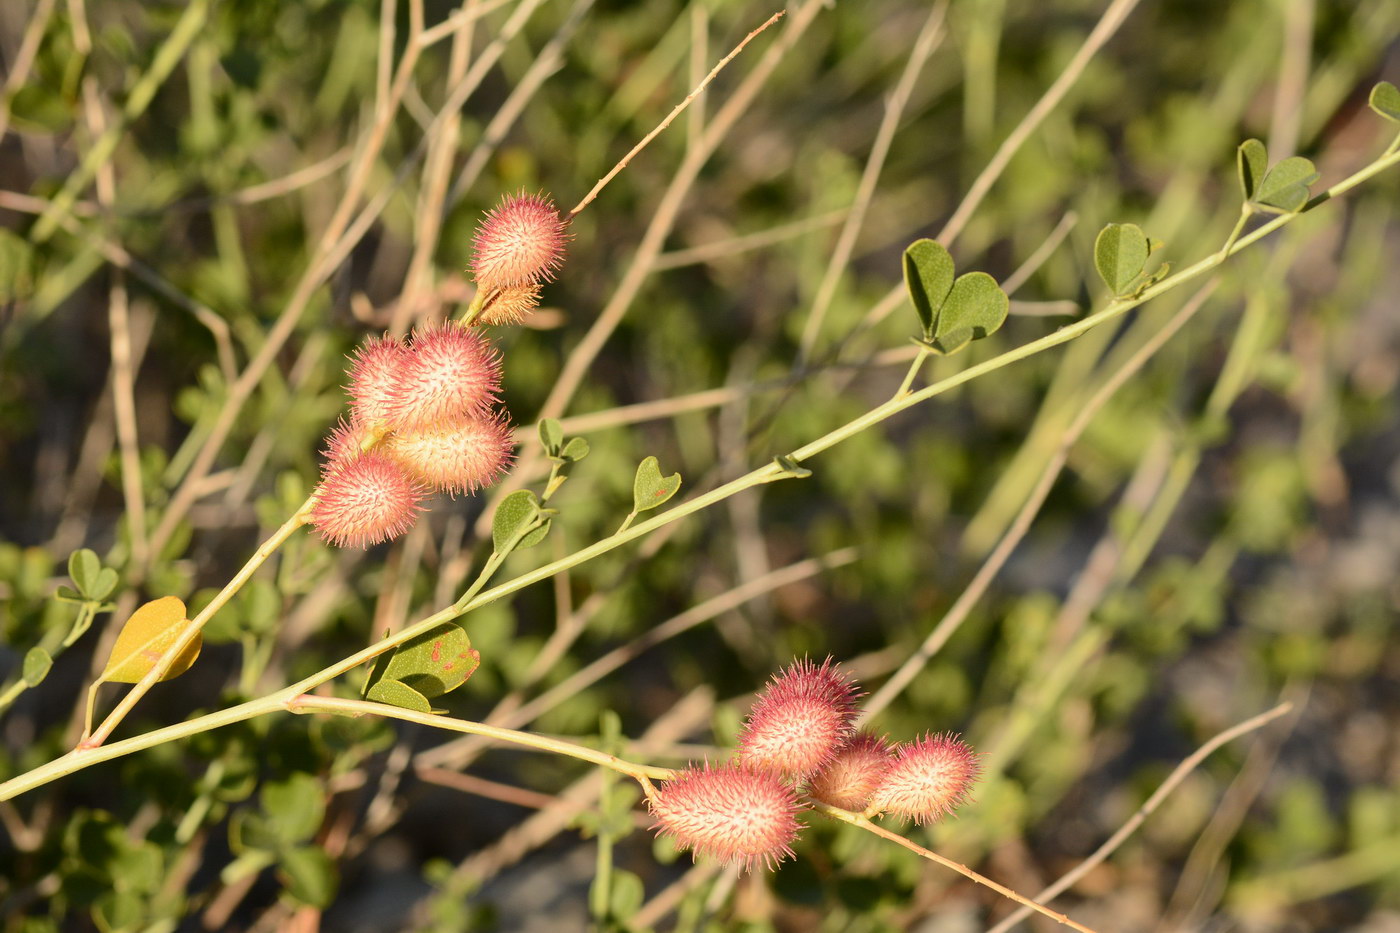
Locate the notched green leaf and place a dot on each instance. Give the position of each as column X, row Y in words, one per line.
column 575, row 450
column 1385, row 100
column 649, row 488
column 1285, row 186
column 928, row 277
column 1252, row 161
column 1120, row 252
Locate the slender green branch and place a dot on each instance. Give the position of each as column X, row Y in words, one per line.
column 308, row 703
column 913, row 373
column 1245, row 213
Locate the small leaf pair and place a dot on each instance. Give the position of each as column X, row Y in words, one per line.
column 954, row 311
column 1282, row 189
column 423, row 668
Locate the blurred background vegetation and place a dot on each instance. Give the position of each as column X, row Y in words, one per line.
column 205, row 205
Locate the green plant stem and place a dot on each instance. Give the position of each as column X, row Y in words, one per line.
column 86, row 757
column 913, row 373
column 305, row 703
column 858, row 820
column 1245, row 213
column 300, row 517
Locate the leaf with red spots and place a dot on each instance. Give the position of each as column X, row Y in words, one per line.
column 151, row 629
column 428, row 666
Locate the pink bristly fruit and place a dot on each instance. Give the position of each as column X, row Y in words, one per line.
column 454, row 456
column 345, row 442
column 365, row 500
column 850, row 778
column 374, row 379
column 800, row 720
column 928, row 779
column 448, row 373
column 521, row 242
column 730, row 813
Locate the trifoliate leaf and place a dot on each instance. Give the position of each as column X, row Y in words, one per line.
column 1120, row 252
column 151, row 629
column 650, row 488
column 928, row 276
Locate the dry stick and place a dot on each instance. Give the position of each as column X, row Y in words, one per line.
column 547, row 61
column 1143, row 812
column 1108, row 24
column 929, row 38
column 855, row 819
column 670, row 897
column 1287, row 116
column 123, row 373
column 242, row 389
column 459, row 19
column 1013, row 282
column 732, row 246
column 24, row 59
column 437, row 166
column 675, row 112
column 969, row 598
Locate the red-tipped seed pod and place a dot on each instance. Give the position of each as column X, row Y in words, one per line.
column 928, row 779
column 730, row 813
column 800, row 720
column 364, row 501
column 521, row 242
column 454, row 456
column 448, row 373
column 374, row 379
column 850, row 778
column 511, row 304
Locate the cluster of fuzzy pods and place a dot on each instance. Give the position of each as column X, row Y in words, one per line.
column 800, row 741
column 423, row 412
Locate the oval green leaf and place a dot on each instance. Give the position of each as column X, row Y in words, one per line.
column 309, row 876
column 976, row 307
column 650, row 488
column 1120, row 252
column 394, row 693
column 551, row 436
column 575, row 450
column 928, row 277
column 294, row 807
column 103, row 586
column 516, row 511
column 151, row 629
column 1285, row 186
column 37, row 663
column 83, row 568
column 435, row 662
column 1385, row 100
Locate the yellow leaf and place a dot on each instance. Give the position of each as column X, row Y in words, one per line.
column 151, row 629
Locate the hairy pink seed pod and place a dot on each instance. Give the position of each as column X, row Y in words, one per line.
column 448, row 373
column 345, row 442
column 800, row 720
column 521, row 242
column 928, row 779
column 374, row 377
column 850, row 778
column 454, row 456
column 364, row 501
column 731, row 813
column 510, row 305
